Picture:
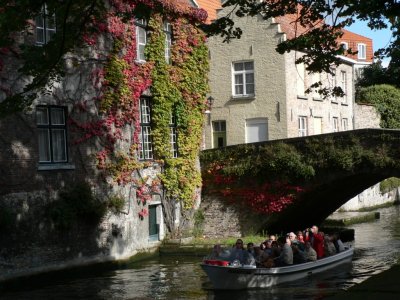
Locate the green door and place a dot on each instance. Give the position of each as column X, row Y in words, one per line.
column 153, row 226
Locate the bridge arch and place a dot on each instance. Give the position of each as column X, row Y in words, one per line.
column 312, row 176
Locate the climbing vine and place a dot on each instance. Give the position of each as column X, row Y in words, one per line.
column 177, row 88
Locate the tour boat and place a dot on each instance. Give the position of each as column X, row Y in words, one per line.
column 224, row 276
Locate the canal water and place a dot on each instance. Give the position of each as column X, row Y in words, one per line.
column 377, row 247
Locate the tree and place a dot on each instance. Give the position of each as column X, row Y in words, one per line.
column 377, row 74
column 386, row 99
column 323, row 21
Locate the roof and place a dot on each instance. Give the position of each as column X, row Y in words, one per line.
column 292, row 29
column 211, row 6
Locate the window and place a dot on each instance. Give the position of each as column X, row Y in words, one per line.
column 45, row 26
column 243, row 74
column 256, row 130
column 317, row 122
column 343, row 85
column 345, row 124
column 219, row 134
column 173, row 136
column 344, row 45
column 145, row 142
column 141, row 39
column 362, row 51
column 52, row 134
column 335, row 124
column 300, row 81
column 168, row 41
column 302, row 126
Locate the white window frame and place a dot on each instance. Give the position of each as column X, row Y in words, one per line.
column 343, row 85
column 141, row 39
column 243, row 74
column 303, row 125
column 52, row 149
column 173, row 136
column 345, row 124
column 45, row 26
column 145, row 138
column 345, row 45
column 362, row 51
column 335, row 124
column 168, row 41
column 259, row 124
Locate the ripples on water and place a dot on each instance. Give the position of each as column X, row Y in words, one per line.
column 376, row 245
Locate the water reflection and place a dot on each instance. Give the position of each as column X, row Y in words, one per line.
column 376, row 245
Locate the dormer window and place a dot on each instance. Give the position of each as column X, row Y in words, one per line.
column 45, row 24
column 362, row 51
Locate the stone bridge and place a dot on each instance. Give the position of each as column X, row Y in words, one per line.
column 292, row 183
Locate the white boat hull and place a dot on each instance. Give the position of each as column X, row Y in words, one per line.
column 234, row 278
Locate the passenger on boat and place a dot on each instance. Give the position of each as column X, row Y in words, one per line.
column 337, row 242
column 259, row 256
column 250, row 248
column 317, row 241
column 294, row 240
column 329, row 247
column 311, row 255
column 268, row 247
column 240, row 254
column 272, row 237
column 219, row 253
column 300, row 236
column 276, row 249
column 286, row 256
column 299, row 256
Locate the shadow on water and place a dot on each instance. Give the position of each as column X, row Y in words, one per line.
column 377, row 247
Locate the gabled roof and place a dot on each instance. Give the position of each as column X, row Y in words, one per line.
column 292, row 28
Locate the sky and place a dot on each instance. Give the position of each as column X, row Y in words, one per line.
column 381, row 38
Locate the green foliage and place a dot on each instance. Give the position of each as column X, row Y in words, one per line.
column 116, row 203
column 75, row 205
column 386, row 99
column 376, row 74
column 389, row 184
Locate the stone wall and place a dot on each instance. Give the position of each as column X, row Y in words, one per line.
column 366, row 116
column 224, row 220
column 30, row 243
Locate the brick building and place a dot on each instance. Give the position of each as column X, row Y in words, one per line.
column 260, row 95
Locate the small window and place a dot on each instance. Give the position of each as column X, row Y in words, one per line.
column 345, row 124
column 243, row 79
column 219, row 133
column 52, row 134
column 344, row 45
column 335, row 124
column 343, row 85
column 256, row 130
column 302, row 126
column 168, row 41
column 300, row 81
column 141, row 39
column 173, row 136
column 145, row 140
column 362, row 51
column 45, row 24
